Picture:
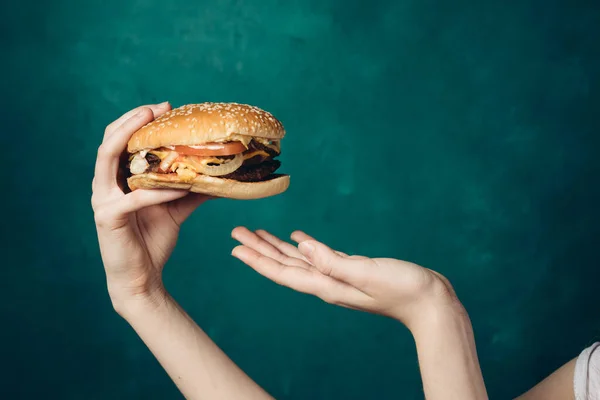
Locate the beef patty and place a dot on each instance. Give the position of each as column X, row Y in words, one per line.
column 254, row 173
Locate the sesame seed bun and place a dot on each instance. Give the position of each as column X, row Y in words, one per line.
column 195, row 124
column 213, row 186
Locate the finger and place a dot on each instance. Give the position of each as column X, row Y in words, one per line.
column 182, row 208
column 157, row 110
column 255, row 242
column 139, row 199
column 109, row 153
column 297, row 278
column 115, row 214
column 300, row 279
column 329, row 263
column 284, row 247
column 299, row 236
column 357, row 257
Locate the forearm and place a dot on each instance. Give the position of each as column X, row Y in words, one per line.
column 447, row 355
column 557, row 386
column 193, row 361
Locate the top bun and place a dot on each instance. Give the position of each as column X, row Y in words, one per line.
column 195, row 124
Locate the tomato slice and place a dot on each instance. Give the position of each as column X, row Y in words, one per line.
column 212, row 149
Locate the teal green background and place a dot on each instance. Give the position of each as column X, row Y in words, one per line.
column 459, row 135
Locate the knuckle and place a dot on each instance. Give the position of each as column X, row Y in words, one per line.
column 262, row 259
column 325, row 268
column 94, row 201
column 103, row 152
column 103, row 217
column 137, row 197
column 97, row 201
column 145, row 111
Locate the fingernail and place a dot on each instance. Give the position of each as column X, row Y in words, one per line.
column 164, row 104
column 306, row 248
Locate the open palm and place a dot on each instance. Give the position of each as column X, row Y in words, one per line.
column 380, row 285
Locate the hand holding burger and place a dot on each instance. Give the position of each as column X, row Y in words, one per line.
column 137, row 231
column 176, row 159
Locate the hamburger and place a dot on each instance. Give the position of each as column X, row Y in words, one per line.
column 218, row 149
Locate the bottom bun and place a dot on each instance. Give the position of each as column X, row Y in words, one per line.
column 213, row 186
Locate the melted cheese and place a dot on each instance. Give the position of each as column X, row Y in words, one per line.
column 184, row 173
column 235, row 137
column 193, row 163
column 255, row 153
column 160, row 154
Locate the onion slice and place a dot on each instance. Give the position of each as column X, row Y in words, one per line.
column 166, row 163
column 223, row 169
column 138, row 165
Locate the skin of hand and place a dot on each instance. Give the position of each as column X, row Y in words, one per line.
column 385, row 286
column 137, row 231
column 420, row 298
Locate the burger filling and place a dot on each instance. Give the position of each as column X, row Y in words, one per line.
column 246, row 161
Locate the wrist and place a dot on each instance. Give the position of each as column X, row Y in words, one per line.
column 434, row 299
column 438, row 314
column 447, row 353
column 437, row 300
column 128, row 303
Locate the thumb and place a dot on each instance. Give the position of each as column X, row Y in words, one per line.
column 330, row 263
column 143, row 198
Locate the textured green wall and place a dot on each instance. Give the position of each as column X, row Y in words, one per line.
column 460, row 135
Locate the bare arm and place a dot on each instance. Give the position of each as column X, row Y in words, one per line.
column 199, row 368
column 419, row 298
column 447, row 355
column 137, row 231
column 557, row 386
